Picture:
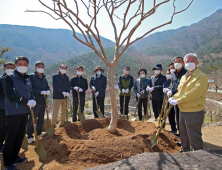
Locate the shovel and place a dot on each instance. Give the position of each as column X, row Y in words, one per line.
column 123, row 116
column 162, row 110
column 153, row 139
column 39, row 149
column 146, row 117
column 25, row 144
column 49, row 128
column 134, row 116
column 98, row 112
column 81, row 116
column 67, row 121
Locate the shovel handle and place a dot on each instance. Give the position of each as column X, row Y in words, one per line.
column 162, row 124
column 47, row 107
column 96, row 101
column 137, row 105
column 124, row 105
column 162, row 109
column 79, row 102
column 34, row 127
column 148, row 105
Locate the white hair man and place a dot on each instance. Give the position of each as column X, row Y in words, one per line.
column 190, row 98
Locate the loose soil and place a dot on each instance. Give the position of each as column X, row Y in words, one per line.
column 88, row 144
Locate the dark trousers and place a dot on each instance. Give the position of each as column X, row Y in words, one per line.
column 121, row 101
column 177, row 112
column 75, row 107
column 142, row 102
column 157, row 105
column 2, row 126
column 39, row 113
column 15, row 132
column 172, row 121
column 190, row 130
column 100, row 102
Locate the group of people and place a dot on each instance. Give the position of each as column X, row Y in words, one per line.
column 186, row 89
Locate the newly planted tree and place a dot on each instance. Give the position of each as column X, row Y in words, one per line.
column 125, row 16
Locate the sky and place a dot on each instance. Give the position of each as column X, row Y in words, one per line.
column 12, row 12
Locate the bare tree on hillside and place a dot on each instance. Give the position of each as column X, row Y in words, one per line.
column 215, row 75
column 69, row 12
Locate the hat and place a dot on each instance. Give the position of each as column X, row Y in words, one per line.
column 98, row 67
column 158, row 66
column 142, row 69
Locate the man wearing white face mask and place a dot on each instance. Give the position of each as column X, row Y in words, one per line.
column 18, row 91
column 190, row 98
column 80, row 84
column 98, row 84
column 61, row 90
column 156, row 87
column 180, row 71
column 140, row 89
column 40, row 90
column 125, row 84
column 9, row 67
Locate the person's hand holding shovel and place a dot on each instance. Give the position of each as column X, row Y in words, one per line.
column 97, row 93
column 31, row 103
column 80, row 90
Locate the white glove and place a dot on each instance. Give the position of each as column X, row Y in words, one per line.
column 123, row 91
column 31, row 103
column 64, row 94
column 80, row 90
column 93, row 88
column 76, row 88
column 127, row 90
column 138, row 95
column 47, row 92
column 165, row 90
column 173, row 102
column 43, row 92
column 169, row 93
column 148, row 88
column 142, row 92
column 170, row 99
column 151, row 89
column 67, row 94
column 97, row 93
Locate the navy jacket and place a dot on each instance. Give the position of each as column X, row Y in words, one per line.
column 2, row 94
column 166, row 84
column 17, row 88
column 79, row 82
column 146, row 82
column 157, row 83
column 176, row 80
column 60, row 85
column 100, row 85
column 38, row 85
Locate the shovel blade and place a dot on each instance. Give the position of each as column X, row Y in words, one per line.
column 41, row 152
column 81, row 116
column 153, row 140
column 25, row 144
column 146, row 118
column 49, row 128
column 133, row 117
column 123, row 116
column 99, row 113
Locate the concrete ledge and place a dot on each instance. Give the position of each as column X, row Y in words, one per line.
column 202, row 159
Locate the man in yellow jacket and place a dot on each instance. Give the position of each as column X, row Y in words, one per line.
column 190, row 98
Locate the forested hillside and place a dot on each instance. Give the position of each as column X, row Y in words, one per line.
column 204, row 38
column 48, row 45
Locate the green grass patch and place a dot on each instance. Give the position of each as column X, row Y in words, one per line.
column 88, row 113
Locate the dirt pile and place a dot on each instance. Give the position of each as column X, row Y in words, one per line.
column 88, row 144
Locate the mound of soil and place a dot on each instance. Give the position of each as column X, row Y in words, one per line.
column 88, row 144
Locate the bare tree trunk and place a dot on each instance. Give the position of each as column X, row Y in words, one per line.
column 216, row 88
column 114, row 115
